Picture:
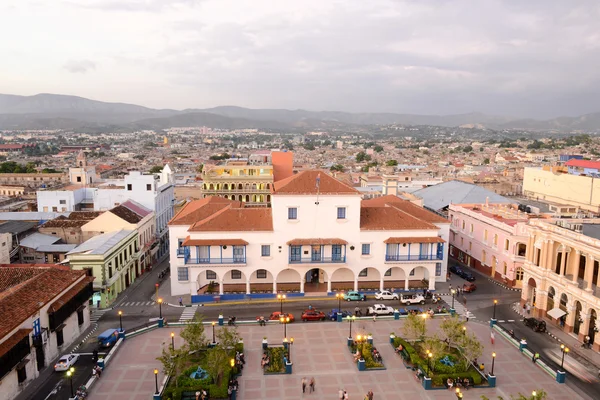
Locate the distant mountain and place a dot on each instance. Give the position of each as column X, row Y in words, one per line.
column 52, row 111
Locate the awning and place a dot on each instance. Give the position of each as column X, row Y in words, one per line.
column 400, row 240
column 60, row 327
column 22, row 363
column 316, row 241
column 64, row 299
column 556, row 313
column 12, row 341
column 214, row 242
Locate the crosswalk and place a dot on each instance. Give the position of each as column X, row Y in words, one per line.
column 136, row 304
column 188, row 314
column 458, row 306
column 97, row 314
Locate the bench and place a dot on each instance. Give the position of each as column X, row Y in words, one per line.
column 461, row 384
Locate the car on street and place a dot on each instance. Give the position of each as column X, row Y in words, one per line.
column 412, row 299
column 275, row 316
column 108, row 337
column 313, row 315
column 353, row 295
column 380, row 309
column 535, row 324
column 333, row 314
column 455, row 269
column 386, row 295
column 468, row 276
column 66, row 362
column 469, row 287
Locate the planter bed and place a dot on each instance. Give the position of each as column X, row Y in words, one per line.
column 277, row 364
column 365, row 349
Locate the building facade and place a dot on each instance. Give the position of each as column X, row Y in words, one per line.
column 44, row 310
column 491, row 238
column 317, row 236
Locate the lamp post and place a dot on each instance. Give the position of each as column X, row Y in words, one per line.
column 351, row 319
column 156, row 380
column 493, row 359
column 432, row 366
column 121, row 320
column 495, row 302
column 564, row 350
column 284, row 321
column 160, row 301
column 534, row 394
column 290, row 349
column 281, row 298
column 464, row 330
column 70, row 375
column 213, row 325
column 428, row 366
column 339, row 297
column 424, row 316
column 173, row 340
column 459, row 395
column 232, row 363
column 453, row 293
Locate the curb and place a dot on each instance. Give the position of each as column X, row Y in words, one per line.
column 95, row 324
column 502, row 285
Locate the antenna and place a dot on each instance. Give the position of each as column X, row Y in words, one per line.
column 318, row 187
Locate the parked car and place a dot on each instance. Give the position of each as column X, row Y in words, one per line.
column 468, row 276
column 275, row 316
column 66, row 362
column 313, row 315
column 333, row 314
column 353, row 295
column 412, row 299
column 469, row 287
column 386, row 295
column 455, row 269
column 108, row 337
column 535, row 324
column 380, row 309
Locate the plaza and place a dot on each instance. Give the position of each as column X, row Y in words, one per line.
column 320, row 351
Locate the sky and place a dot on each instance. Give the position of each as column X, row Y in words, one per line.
column 518, row 58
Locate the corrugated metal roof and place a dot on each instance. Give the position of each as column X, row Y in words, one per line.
column 456, row 192
column 16, row 227
column 101, row 244
column 38, row 239
column 56, row 248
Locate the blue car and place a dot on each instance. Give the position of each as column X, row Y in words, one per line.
column 353, row 295
column 332, row 315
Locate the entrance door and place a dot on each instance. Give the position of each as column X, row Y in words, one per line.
column 127, row 279
column 336, row 252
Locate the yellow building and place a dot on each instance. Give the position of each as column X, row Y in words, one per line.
column 561, row 278
column 238, row 180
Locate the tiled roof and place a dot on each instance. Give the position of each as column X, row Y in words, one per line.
column 213, row 242
column 76, row 219
column 26, row 288
column 400, row 240
column 406, row 206
column 236, row 219
column 198, row 210
column 301, row 242
column 126, row 214
column 70, row 293
column 390, row 218
column 305, row 182
column 137, row 208
column 583, row 164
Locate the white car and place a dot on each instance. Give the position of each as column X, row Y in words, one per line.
column 386, row 295
column 380, row 309
column 412, row 299
column 66, row 362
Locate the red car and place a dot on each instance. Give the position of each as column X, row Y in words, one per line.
column 313, row 315
column 276, row 315
column 469, row 287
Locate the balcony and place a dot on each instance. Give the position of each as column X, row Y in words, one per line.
column 413, row 257
column 183, row 251
column 215, row 260
column 318, row 260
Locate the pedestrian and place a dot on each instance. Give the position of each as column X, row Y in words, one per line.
column 230, row 392
column 181, row 301
column 370, row 394
column 303, row 385
column 524, row 308
column 345, row 395
column 98, row 371
column 467, row 314
column 492, row 337
column 374, row 317
column 535, row 357
column 312, row 384
column 528, row 309
column 341, row 394
column 198, row 395
column 450, row 288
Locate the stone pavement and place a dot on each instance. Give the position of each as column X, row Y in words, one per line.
column 320, row 351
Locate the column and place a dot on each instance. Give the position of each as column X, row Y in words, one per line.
column 329, row 285
column 584, row 327
column 431, row 278
column 549, row 255
column 355, row 284
column 596, row 344
column 406, row 281
column 381, row 283
column 570, row 321
column 302, row 282
column 221, row 287
column 589, row 272
column 274, row 286
column 248, row 286
column 529, row 250
column 544, row 253
column 562, row 260
column 574, row 261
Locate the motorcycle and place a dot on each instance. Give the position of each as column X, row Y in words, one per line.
column 231, row 321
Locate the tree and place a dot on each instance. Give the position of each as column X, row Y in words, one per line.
column 468, row 149
column 414, row 326
column 337, row 167
column 486, row 161
column 361, row 156
column 539, row 395
column 481, row 149
column 378, row 148
column 174, row 361
column 471, row 348
column 193, row 334
column 309, row 146
column 139, row 157
column 452, row 330
column 217, row 363
column 200, row 168
column 156, row 169
column 227, row 339
column 391, row 163
column 435, row 345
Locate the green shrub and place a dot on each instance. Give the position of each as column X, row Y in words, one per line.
column 440, row 379
column 446, row 369
column 367, row 355
column 276, row 355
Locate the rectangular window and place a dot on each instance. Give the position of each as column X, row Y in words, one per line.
column 78, row 179
column 21, row 374
column 60, row 340
column 363, row 272
column 149, row 187
column 80, row 318
column 129, row 187
column 55, row 258
column 109, row 272
column 292, row 213
column 211, row 275
column 485, row 235
column 62, row 202
column 506, row 245
column 182, row 274
column 463, row 225
column 235, row 274
column 261, row 274
column 265, row 250
column 470, row 246
column 336, row 252
column 438, row 269
column 54, row 209
column 366, row 249
column 341, row 213
column 471, row 228
column 295, row 253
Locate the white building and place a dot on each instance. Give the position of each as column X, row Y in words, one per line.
column 317, row 236
column 155, row 192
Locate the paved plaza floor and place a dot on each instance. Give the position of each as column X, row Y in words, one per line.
column 320, row 351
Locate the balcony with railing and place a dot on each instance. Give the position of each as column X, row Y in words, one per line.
column 317, row 251
column 213, row 252
column 410, row 250
column 412, row 257
column 317, row 260
column 214, row 260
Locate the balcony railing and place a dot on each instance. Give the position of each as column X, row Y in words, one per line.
column 414, row 257
column 182, row 251
column 317, row 260
column 216, row 260
column 236, row 191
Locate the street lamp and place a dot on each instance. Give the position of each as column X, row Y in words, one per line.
column 453, row 293
column 284, row 321
column 351, row 319
column 564, row 351
column 173, row 340
column 339, row 296
column 424, row 315
column 428, row 366
column 534, row 393
column 121, row 320
column 459, row 395
column 290, row 349
column 464, row 330
column 160, row 301
column 493, row 359
column 281, row 298
column 156, row 380
column 213, row 325
column 495, row 302
column 232, row 362
column 432, row 366
column 70, row 376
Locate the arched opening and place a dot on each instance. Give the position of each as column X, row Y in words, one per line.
column 247, row 186
column 268, row 198
column 394, row 278
column 226, row 186
column 261, row 281
column 268, row 186
column 342, row 279
column 316, row 280
column 564, row 299
column 234, row 281
column 247, row 200
column 368, row 279
column 417, row 277
column 211, row 187
column 254, row 198
column 494, row 265
column 261, row 198
column 550, row 301
column 240, row 186
column 254, row 186
column 207, row 282
column 592, row 328
column 578, row 319
column 531, row 291
column 288, row 280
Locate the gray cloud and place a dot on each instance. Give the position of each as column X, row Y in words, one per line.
column 79, row 66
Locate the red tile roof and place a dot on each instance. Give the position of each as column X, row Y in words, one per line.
column 198, row 210
column 213, row 242
column 71, row 293
column 236, row 220
column 406, row 206
column 305, row 182
column 400, row 240
column 390, row 219
column 306, row 242
column 583, row 164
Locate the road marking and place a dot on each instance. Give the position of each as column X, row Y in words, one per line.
column 502, row 321
column 188, row 314
column 511, row 320
column 97, row 314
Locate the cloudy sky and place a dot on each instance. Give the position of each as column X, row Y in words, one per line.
column 520, row 58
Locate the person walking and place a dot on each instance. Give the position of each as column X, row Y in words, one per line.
column 535, row 357
column 492, row 337
column 374, row 317
column 181, row 301
column 370, row 394
column 345, row 395
column 303, row 385
column 312, row 384
column 341, row 394
column 528, row 309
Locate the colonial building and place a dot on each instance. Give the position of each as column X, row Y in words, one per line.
column 561, row 277
column 317, row 236
column 43, row 309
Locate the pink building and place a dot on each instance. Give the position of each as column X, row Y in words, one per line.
column 491, row 238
